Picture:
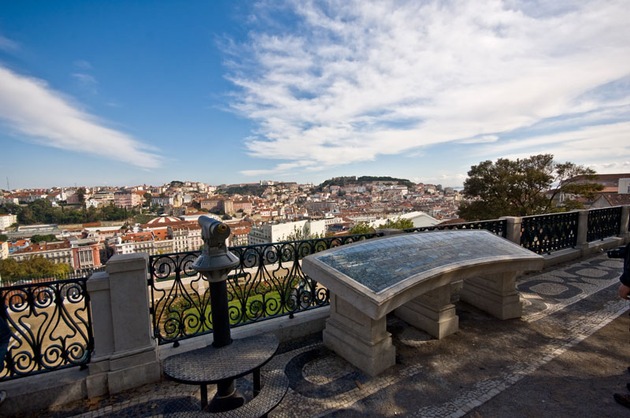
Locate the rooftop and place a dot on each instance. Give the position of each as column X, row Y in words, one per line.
column 565, row 356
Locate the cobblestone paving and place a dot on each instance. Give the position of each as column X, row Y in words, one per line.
column 431, row 378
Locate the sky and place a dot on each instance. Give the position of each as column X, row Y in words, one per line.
column 131, row 92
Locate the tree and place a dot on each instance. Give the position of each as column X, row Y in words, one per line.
column 34, row 267
column 361, row 228
column 300, row 234
column 36, row 239
column 398, row 223
column 523, row 187
column 81, row 196
column 147, row 199
column 3, row 238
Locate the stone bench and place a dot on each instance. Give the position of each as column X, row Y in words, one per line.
column 412, row 275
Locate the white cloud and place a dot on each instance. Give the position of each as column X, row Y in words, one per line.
column 8, row 45
column 86, row 81
column 348, row 81
column 30, row 107
column 484, row 139
column 83, row 65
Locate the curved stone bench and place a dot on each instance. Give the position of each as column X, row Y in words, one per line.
column 412, row 275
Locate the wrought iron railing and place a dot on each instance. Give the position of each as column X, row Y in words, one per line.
column 51, row 326
column 497, row 227
column 603, row 223
column 543, row 234
column 268, row 282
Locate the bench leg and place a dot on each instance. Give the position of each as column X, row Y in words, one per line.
column 257, row 385
column 226, row 398
column 495, row 294
column 204, row 397
column 432, row 312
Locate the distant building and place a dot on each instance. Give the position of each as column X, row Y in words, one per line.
column 212, row 204
column 128, row 199
column 86, row 254
column 616, row 190
column 281, row 232
column 56, row 252
column 239, row 232
column 6, row 221
column 4, row 250
column 100, row 199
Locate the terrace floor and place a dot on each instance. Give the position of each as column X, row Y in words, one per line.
column 566, row 356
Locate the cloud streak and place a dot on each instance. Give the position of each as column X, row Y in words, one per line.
column 30, row 107
column 347, row 81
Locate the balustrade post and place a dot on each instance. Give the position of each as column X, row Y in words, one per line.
column 625, row 223
column 513, row 228
column 582, row 231
column 125, row 355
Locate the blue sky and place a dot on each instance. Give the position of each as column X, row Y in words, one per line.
column 126, row 92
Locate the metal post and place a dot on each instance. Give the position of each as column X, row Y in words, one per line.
column 214, row 263
column 220, row 314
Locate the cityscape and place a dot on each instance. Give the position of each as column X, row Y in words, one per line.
column 163, row 219
column 257, row 213
column 314, row 208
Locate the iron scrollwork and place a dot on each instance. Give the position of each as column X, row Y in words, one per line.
column 543, row 234
column 51, row 326
column 267, row 283
column 603, row 223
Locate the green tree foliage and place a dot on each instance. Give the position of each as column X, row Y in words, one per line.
column 349, row 180
column 36, row 239
column 81, row 196
column 300, row 234
column 244, row 190
column 398, row 223
column 147, row 199
column 3, row 238
column 9, row 209
column 361, row 228
column 365, row 228
column 523, row 187
column 34, row 267
column 42, row 211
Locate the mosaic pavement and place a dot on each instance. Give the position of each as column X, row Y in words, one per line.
column 431, row 378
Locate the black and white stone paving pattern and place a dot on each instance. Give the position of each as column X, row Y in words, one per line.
column 433, row 378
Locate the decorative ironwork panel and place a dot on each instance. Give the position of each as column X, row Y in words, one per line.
column 497, row 227
column 51, row 326
column 543, row 234
column 603, row 223
column 267, row 283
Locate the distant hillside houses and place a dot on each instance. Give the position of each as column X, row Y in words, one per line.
column 616, row 190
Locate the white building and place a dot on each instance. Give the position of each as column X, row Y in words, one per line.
column 4, row 250
column 281, row 232
column 6, row 221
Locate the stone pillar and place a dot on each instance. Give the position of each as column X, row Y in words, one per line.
column 359, row 339
column 513, row 228
column 125, row 355
column 495, row 294
column 432, row 312
column 582, row 233
column 625, row 219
